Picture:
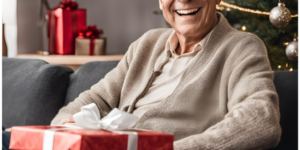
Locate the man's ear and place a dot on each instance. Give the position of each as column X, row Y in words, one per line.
column 218, row 1
column 160, row 4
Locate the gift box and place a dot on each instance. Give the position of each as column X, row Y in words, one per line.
column 89, row 42
column 62, row 138
column 64, row 24
column 83, row 46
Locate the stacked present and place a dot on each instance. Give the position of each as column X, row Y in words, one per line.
column 89, row 42
column 65, row 22
column 90, row 133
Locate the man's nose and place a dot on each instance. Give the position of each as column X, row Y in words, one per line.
column 184, row 1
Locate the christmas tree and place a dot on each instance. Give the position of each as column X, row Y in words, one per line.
column 276, row 39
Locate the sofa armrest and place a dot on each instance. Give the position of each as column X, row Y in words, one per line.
column 286, row 84
column 33, row 91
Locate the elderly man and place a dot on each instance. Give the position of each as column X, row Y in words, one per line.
column 203, row 81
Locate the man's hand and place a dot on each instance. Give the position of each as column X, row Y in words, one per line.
column 8, row 130
column 68, row 120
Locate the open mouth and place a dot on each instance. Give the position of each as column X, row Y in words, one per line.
column 187, row 12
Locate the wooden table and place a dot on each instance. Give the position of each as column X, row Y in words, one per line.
column 72, row 61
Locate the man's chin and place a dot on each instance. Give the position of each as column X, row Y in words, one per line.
column 186, row 31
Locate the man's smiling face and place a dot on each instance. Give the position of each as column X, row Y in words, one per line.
column 189, row 17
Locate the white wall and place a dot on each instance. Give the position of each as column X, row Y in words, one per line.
column 122, row 21
column 9, row 10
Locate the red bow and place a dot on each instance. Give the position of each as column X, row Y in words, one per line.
column 90, row 32
column 68, row 5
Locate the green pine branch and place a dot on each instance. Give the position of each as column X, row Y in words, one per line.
column 260, row 25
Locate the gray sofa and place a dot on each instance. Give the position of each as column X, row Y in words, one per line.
column 34, row 91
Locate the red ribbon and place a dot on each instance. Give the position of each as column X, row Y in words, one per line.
column 92, row 46
column 92, row 33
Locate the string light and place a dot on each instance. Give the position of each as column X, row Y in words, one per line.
column 285, row 43
column 244, row 28
column 279, row 66
column 291, row 69
column 231, row 6
column 221, row 8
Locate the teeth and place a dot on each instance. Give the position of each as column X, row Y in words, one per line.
column 185, row 12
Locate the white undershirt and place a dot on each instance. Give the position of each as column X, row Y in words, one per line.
column 171, row 74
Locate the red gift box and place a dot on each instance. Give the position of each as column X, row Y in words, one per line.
column 32, row 137
column 64, row 24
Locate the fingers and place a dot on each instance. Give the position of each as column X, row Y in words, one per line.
column 8, row 130
column 68, row 120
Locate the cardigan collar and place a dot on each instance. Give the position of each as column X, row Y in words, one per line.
column 172, row 44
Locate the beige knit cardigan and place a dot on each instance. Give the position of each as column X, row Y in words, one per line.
column 225, row 100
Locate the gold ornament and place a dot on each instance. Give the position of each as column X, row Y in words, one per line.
column 280, row 16
column 291, row 50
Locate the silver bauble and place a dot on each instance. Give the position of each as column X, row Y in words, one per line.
column 291, row 50
column 280, row 16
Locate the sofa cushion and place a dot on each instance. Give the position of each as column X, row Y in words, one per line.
column 86, row 76
column 287, row 88
column 33, row 91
